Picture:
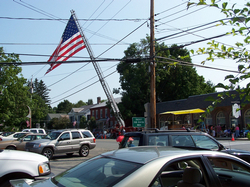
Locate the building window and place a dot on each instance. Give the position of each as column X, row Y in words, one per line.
column 106, row 113
column 101, row 113
column 221, row 120
column 96, row 114
column 247, row 118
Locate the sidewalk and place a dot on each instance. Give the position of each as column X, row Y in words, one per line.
column 229, row 138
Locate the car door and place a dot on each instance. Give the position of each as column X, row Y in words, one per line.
column 229, row 171
column 23, row 141
column 63, row 144
column 76, row 139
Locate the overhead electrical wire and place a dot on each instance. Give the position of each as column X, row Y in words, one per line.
column 83, row 82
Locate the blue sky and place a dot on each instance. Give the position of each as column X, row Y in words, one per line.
column 40, row 37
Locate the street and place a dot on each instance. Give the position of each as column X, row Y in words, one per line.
column 62, row 162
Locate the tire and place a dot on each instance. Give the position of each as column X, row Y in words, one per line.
column 84, row 151
column 11, row 148
column 69, row 154
column 48, row 152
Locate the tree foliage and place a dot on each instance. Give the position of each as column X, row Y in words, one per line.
column 15, row 96
column 64, row 107
column 238, row 19
column 174, row 80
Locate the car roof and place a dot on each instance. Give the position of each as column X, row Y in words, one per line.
column 166, row 132
column 144, row 154
column 62, row 130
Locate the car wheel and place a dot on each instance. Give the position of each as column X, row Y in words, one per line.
column 11, row 148
column 48, row 153
column 69, row 154
column 84, row 151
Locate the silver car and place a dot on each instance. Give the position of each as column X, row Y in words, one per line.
column 154, row 166
column 64, row 141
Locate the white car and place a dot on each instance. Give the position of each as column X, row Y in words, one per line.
column 14, row 136
column 21, row 164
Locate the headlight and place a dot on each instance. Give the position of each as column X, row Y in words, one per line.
column 36, row 145
column 44, row 168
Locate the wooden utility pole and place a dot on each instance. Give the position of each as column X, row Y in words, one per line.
column 152, row 67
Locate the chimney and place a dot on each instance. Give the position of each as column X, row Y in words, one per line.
column 98, row 100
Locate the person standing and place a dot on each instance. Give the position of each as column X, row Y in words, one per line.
column 237, row 131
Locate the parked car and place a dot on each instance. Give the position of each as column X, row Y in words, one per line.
column 13, row 136
column 35, row 130
column 156, row 167
column 179, row 138
column 22, row 164
column 20, row 143
column 64, row 141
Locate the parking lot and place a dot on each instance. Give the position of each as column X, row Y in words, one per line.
column 62, row 162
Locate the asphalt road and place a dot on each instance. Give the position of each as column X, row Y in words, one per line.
column 62, row 162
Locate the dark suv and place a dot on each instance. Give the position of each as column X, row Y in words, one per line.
column 179, row 138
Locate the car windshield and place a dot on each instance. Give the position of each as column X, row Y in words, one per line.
column 99, row 171
column 53, row 135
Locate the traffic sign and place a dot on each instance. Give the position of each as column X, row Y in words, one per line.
column 138, row 122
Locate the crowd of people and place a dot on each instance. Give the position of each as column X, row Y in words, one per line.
column 217, row 131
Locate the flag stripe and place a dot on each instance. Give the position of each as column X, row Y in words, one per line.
column 70, row 44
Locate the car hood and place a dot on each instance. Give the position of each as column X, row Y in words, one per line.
column 236, row 152
column 22, row 156
column 30, row 182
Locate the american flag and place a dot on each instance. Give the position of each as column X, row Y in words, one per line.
column 71, row 43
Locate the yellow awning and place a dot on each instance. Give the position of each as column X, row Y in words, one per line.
column 190, row 111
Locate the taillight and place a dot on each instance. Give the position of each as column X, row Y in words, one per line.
column 1, row 139
column 94, row 140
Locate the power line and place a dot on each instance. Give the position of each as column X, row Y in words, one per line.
column 82, row 83
column 183, row 63
column 82, row 88
column 80, row 19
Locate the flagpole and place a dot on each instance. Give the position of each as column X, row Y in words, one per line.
column 100, row 75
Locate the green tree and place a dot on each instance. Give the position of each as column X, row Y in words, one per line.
column 173, row 80
column 92, row 123
column 83, row 122
column 238, row 19
column 60, row 123
column 40, row 100
column 15, row 96
column 64, row 107
column 79, row 104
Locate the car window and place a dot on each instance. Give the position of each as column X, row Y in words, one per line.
column 172, row 173
column 86, row 134
column 182, row 140
column 132, row 141
column 159, row 140
column 205, row 142
column 65, row 136
column 230, row 172
column 53, row 135
column 28, row 138
column 76, row 135
column 34, row 131
column 41, row 131
column 99, row 172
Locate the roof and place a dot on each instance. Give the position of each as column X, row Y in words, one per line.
column 144, row 154
column 81, row 109
column 57, row 115
column 193, row 102
column 103, row 104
